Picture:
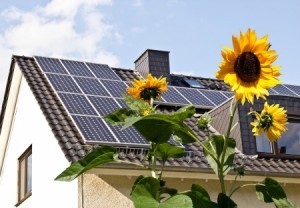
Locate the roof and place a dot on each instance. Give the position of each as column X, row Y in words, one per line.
column 75, row 146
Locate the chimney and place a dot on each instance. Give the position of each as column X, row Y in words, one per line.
column 155, row 62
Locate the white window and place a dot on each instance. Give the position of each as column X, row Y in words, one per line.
column 289, row 143
column 25, row 175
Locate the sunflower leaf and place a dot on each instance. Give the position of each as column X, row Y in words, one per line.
column 146, row 194
column 214, row 150
column 167, row 150
column 270, row 190
column 119, row 116
column 95, row 158
column 159, row 128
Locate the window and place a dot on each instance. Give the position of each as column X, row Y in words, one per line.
column 193, row 83
column 25, row 175
column 288, row 144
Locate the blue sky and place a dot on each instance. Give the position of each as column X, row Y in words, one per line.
column 116, row 32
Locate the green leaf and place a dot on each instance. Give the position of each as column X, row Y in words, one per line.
column 167, row 150
column 136, row 104
column 95, row 158
column 225, row 202
column 146, row 195
column 271, row 191
column 215, row 147
column 178, row 201
column 119, row 116
column 158, row 128
column 200, row 197
column 170, row 191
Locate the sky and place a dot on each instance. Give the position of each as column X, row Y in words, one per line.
column 116, row 32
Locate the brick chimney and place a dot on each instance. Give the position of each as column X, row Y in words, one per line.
column 155, row 62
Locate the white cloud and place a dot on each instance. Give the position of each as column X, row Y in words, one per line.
column 137, row 3
column 54, row 30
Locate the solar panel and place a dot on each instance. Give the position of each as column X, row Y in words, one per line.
column 77, row 104
column 63, row 83
column 77, row 68
column 104, row 105
column 94, row 129
column 227, row 94
column 91, row 86
column 103, row 71
column 129, row 135
column 194, row 96
column 294, row 88
column 272, row 92
column 50, row 65
column 122, row 103
column 215, row 96
column 172, row 96
column 116, row 88
column 283, row 90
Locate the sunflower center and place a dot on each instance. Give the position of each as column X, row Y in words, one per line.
column 266, row 121
column 149, row 93
column 247, row 67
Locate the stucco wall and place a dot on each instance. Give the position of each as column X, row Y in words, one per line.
column 30, row 127
column 96, row 193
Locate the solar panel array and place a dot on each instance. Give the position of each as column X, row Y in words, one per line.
column 89, row 91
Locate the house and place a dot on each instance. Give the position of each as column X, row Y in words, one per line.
column 52, row 115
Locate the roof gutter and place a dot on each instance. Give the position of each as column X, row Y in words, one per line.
column 117, row 169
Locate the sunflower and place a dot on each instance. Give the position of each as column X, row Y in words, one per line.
column 247, row 68
column 152, row 87
column 272, row 120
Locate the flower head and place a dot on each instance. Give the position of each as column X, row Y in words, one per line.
column 204, row 121
column 152, row 87
column 247, row 68
column 272, row 120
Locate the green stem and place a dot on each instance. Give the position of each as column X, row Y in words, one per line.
column 161, row 171
column 245, row 185
column 153, row 160
column 233, row 184
column 221, row 166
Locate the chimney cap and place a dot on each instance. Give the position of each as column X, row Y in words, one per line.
column 150, row 50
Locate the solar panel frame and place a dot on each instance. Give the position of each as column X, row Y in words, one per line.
column 104, row 105
column 50, row 65
column 94, row 129
column 227, row 94
column 282, row 90
column 117, row 88
column 91, row 86
column 194, row 96
column 77, row 104
column 77, row 68
column 99, row 69
column 214, row 96
column 129, row 135
column 63, row 83
column 294, row 88
column 173, row 96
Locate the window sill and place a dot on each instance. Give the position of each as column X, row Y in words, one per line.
column 24, row 199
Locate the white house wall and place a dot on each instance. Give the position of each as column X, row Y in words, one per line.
column 30, row 127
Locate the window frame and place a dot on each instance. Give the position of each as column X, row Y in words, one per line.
column 275, row 153
column 23, row 194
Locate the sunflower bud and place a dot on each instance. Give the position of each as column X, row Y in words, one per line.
column 204, row 121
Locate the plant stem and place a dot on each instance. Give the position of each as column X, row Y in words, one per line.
column 250, row 184
column 153, row 160
column 226, row 138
